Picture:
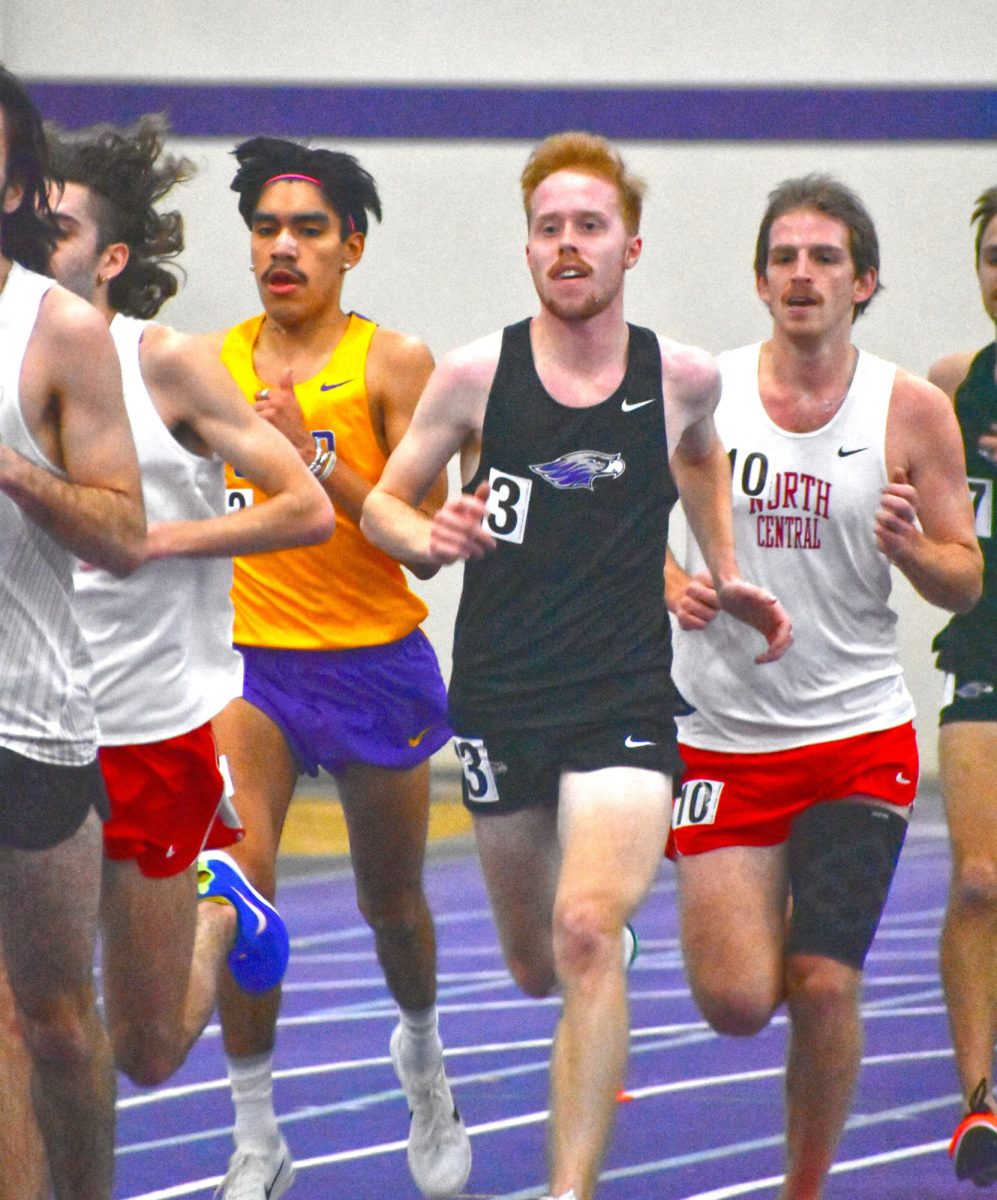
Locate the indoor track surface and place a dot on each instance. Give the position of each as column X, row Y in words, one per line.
column 701, row 1118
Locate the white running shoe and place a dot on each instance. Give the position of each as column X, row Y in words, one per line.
column 439, row 1150
column 255, row 1175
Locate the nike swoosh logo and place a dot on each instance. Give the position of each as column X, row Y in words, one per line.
column 633, row 743
column 273, row 1183
column 261, row 916
column 327, row 387
column 626, row 406
column 902, row 778
column 843, row 453
column 414, row 741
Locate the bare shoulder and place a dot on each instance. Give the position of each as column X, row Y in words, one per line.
column 169, row 356
column 689, row 373
column 66, row 323
column 70, row 353
column 949, row 372
column 915, row 398
column 922, row 428
column 391, row 350
column 398, row 366
column 161, row 346
column 188, row 382
column 470, row 368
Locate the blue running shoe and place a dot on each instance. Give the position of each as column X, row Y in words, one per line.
column 258, row 958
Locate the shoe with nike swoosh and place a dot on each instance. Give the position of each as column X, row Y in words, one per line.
column 258, row 958
column 254, row 1175
column 439, row 1150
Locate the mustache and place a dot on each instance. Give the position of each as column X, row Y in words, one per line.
column 569, row 262
column 279, row 268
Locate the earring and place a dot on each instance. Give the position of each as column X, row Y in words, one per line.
column 100, row 280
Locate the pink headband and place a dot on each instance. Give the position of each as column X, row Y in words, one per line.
column 293, row 175
column 307, row 179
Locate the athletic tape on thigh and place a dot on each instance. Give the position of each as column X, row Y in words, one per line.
column 842, row 858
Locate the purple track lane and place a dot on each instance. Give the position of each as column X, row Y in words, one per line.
column 702, row 1117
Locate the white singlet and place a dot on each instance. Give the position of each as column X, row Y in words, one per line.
column 46, row 712
column 161, row 639
column 804, row 508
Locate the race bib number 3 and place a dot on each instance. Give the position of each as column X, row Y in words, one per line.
column 477, row 770
column 508, row 504
column 697, row 803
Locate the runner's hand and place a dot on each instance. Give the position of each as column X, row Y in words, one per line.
column 760, row 609
column 698, row 604
column 458, row 530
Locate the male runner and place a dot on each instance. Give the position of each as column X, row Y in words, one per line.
column 967, row 746
column 161, row 640
column 799, row 778
column 338, row 673
column 576, row 433
column 69, row 486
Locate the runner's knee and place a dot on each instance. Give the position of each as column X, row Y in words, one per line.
column 60, row 1033
column 586, row 937
column 820, row 989
column 398, row 914
column 147, row 1053
column 534, row 975
column 529, row 953
column 974, row 882
column 734, row 1007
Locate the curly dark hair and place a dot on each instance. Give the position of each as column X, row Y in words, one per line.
column 349, row 189
column 29, row 234
column 127, row 173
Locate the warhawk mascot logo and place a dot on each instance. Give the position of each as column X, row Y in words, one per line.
column 580, row 469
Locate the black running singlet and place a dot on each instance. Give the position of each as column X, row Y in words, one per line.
column 968, row 644
column 565, row 621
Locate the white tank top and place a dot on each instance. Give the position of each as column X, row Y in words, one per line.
column 161, row 639
column 804, row 507
column 45, row 708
